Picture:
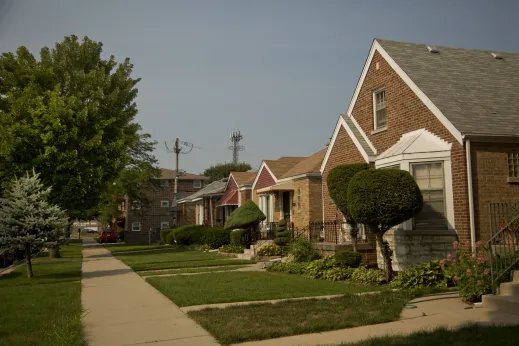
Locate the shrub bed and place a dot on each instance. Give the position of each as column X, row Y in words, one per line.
column 428, row 274
column 231, row 249
column 303, row 251
column 348, row 259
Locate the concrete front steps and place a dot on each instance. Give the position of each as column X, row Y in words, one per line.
column 249, row 254
column 508, row 298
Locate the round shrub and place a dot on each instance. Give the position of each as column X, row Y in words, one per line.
column 215, row 237
column 282, row 233
column 303, row 251
column 348, row 259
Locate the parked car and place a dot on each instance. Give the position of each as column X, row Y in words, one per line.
column 108, row 237
column 88, row 230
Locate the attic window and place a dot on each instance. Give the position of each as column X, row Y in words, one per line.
column 432, row 49
column 496, row 56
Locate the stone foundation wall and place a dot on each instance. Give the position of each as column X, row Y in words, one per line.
column 414, row 247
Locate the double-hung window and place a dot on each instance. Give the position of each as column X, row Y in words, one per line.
column 379, row 108
column 430, row 178
column 136, row 226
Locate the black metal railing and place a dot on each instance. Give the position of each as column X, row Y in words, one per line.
column 328, row 232
column 503, row 246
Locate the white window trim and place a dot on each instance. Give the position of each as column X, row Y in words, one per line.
column 136, row 230
column 164, row 203
column 375, row 92
column 407, row 160
column 164, row 183
column 197, row 184
column 162, row 223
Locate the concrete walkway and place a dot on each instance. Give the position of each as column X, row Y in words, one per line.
column 120, row 308
column 430, row 313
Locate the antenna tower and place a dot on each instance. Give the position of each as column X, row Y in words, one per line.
column 236, row 137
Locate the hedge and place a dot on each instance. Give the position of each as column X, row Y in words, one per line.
column 348, row 259
column 215, row 237
column 163, row 234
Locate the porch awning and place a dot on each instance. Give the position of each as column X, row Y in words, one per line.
column 230, row 198
column 286, row 186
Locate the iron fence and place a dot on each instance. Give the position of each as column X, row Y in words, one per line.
column 503, row 246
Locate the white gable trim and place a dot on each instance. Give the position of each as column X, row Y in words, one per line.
column 229, row 180
column 425, row 100
column 342, row 123
column 263, row 165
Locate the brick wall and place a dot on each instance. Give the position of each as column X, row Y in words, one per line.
column 245, row 195
column 490, row 173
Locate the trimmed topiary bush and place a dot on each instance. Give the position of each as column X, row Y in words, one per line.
column 348, row 259
column 215, row 237
column 303, row 251
column 246, row 216
column 338, row 181
column 282, row 234
column 381, row 199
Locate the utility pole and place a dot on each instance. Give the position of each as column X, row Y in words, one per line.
column 176, row 149
column 236, row 137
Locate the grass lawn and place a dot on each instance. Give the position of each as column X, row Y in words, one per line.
column 114, row 248
column 45, row 310
column 266, row 320
column 472, row 335
column 190, row 270
column 175, row 259
column 230, row 287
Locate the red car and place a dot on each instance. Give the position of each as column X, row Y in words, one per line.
column 108, row 237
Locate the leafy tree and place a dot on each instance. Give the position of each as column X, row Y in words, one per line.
column 69, row 115
column 282, row 233
column 338, row 180
column 222, row 170
column 381, row 199
column 27, row 220
column 247, row 216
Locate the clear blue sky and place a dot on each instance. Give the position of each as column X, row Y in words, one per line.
column 281, row 71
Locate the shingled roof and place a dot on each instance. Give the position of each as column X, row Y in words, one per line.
column 243, row 178
column 216, row 187
column 282, row 165
column 475, row 91
column 310, row 164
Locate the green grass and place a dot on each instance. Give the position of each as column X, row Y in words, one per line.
column 190, row 270
column 45, row 310
column 245, row 286
column 114, row 248
column 471, row 335
column 266, row 320
column 174, row 259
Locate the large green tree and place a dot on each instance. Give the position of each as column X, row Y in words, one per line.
column 27, row 220
column 338, row 180
column 222, row 170
column 69, row 114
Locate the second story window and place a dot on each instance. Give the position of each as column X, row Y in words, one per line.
column 379, row 109
column 197, row 184
column 164, row 203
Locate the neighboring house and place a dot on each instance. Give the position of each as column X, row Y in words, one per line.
column 450, row 117
column 237, row 191
column 200, row 207
column 160, row 211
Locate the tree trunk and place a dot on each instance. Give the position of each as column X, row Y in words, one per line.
column 69, row 226
column 354, row 232
column 54, row 252
column 385, row 253
column 28, row 262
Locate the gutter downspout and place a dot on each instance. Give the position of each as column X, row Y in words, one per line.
column 471, row 196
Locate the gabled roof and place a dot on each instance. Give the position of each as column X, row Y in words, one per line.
column 216, row 187
column 476, row 92
column 166, row 173
column 311, row 164
column 230, row 198
column 243, row 178
column 282, row 165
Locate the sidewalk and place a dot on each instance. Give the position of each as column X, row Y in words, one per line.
column 120, row 308
column 430, row 313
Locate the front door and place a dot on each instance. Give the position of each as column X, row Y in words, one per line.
column 286, row 206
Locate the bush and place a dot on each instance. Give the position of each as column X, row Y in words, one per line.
column 428, row 274
column 270, row 250
column 242, row 237
column 282, row 234
column 170, row 238
column 337, row 274
column 348, row 259
column 203, row 248
column 246, row 216
column 303, row 251
column 214, row 237
column 231, row 249
column 163, row 234
column 316, row 269
column 289, row 267
column 120, row 235
column 363, row 275
column 470, row 273
column 188, row 235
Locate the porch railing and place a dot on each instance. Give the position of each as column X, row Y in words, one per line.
column 329, row 232
column 503, row 246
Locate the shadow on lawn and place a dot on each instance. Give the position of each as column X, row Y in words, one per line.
column 104, row 273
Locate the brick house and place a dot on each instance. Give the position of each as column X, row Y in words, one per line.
column 237, row 191
column 199, row 208
column 290, row 188
column 161, row 210
column 450, row 117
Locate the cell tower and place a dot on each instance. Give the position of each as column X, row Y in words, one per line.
column 236, row 137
